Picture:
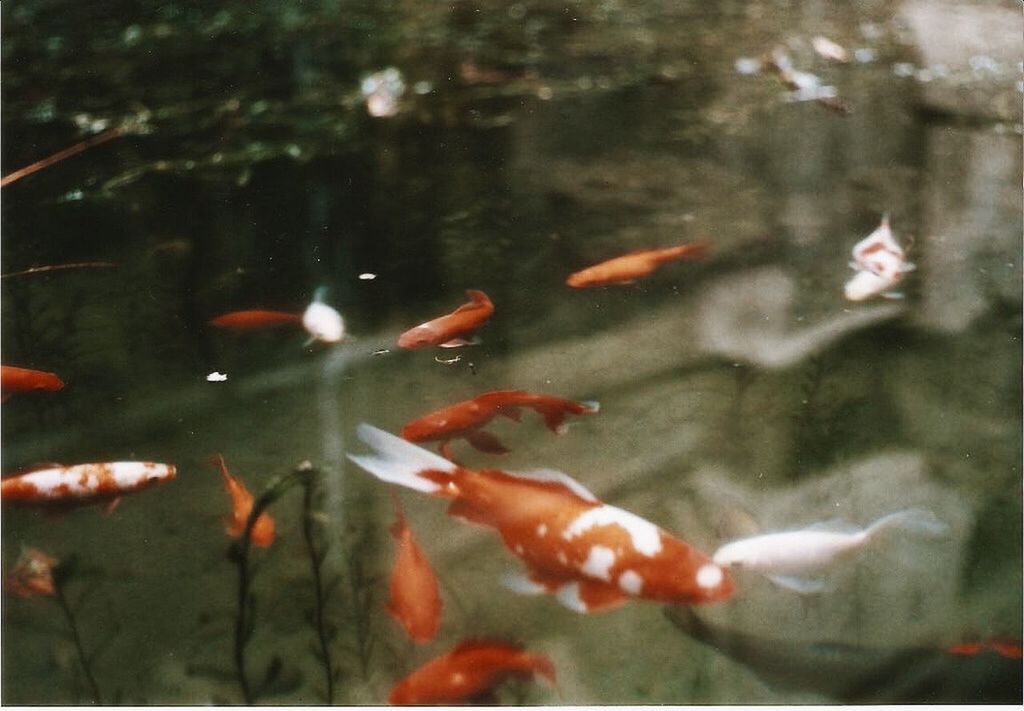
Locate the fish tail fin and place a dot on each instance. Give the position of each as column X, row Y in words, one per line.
column 217, row 460
column 554, row 413
column 397, row 461
column 914, row 520
column 542, row 665
column 399, row 525
column 320, row 294
column 478, row 296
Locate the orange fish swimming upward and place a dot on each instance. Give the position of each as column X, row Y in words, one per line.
column 469, row 671
column 262, row 534
column 624, row 269
column 590, row 555
column 22, row 380
column 463, row 420
column 415, row 601
column 59, row 486
column 447, row 331
column 255, row 319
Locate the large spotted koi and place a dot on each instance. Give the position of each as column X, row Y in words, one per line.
column 83, row 483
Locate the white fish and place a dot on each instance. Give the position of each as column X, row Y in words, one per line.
column 781, row 555
column 880, row 263
column 829, row 49
column 322, row 322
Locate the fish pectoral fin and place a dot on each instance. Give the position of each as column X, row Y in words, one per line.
column 460, row 343
column 114, row 503
column 526, row 584
column 486, row 442
column 585, row 596
column 893, row 295
column 803, row 586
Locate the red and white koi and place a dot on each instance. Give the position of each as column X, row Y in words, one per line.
column 634, row 265
column 880, row 263
column 782, row 556
column 472, row 669
column 447, row 331
column 463, row 420
column 22, row 380
column 415, row 601
column 84, row 483
column 590, row 555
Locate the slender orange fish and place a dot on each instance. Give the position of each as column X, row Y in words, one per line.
column 463, row 420
column 471, row 669
column 415, row 601
column 628, row 267
column 447, row 331
column 590, row 555
column 83, row 484
column 255, row 319
column 22, row 380
column 262, row 534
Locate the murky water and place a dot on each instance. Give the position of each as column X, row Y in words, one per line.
column 739, row 394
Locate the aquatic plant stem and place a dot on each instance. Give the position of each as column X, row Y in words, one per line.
column 244, row 619
column 62, row 601
column 62, row 155
column 315, row 561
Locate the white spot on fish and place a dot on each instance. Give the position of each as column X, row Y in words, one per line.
column 645, row 535
column 542, row 530
column 562, row 558
column 599, row 562
column 569, row 595
column 709, row 576
column 523, row 585
column 630, row 582
column 216, row 377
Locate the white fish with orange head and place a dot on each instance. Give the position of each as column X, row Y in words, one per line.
column 780, row 556
column 590, row 555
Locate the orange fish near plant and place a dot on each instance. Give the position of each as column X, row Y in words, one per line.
column 262, row 534
column 463, row 420
column 415, row 601
column 255, row 319
column 83, row 483
column 32, row 574
column 22, row 380
column 628, row 267
column 590, row 555
column 447, row 331
column 469, row 671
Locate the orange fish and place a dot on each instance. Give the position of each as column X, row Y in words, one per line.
column 463, row 420
column 447, row 331
column 32, row 574
column 1011, row 649
column 624, row 269
column 590, row 555
column 22, row 380
column 83, row 483
column 262, row 534
column 472, row 669
column 255, row 319
column 415, row 601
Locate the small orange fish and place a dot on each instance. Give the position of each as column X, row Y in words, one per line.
column 22, row 380
column 262, row 534
column 472, row 669
column 590, row 555
column 255, row 319
column 463, row 420
column 415, row 601
column 1011, row 649
column 628, row 267
column 32, row 574
column 81, row 484
column 447, row 331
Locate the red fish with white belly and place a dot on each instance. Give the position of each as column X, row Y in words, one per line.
column 471, row 670
column 591, row 555
column 22, row 380
column 415, row 601
column 83, row 484
column 463, row 420
column 632, row 266
column 447, row 331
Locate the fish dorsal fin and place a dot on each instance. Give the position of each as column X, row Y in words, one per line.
column 554, row 476
column 834, row 525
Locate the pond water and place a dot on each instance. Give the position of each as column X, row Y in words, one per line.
column 739, row 394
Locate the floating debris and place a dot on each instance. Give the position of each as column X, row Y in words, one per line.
column 367, row 276
column 748, row 65
column 382, row 91
column 447, row 361
column 216, row 377
column 830, row 50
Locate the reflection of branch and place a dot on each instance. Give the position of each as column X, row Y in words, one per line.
column 62, row 601
column 62, row 155
column 240, row 554
column 316, row 558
